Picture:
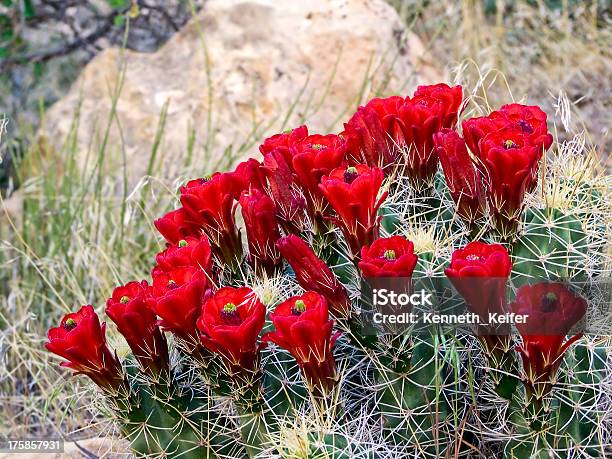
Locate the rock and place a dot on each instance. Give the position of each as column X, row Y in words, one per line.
column 271, row 65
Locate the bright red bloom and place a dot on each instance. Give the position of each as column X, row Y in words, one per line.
column 284, row 142
column 530, row 119
column 353, row 193
column 259, row 213
column 250, row 174
column 304, row 329
column 190, row 251
column 511, row 164
column 462, row 178
column 369, row 133
column 430, row 109
column 81, row 340
column 211, row 203
column 552, row 310
column 230, row 323
column 314, row 157
column 175, row 226
column 138, row 324
column 480, row 273
column 388, row 257
column 313, row 274
column 177, row 296
column 289, row 201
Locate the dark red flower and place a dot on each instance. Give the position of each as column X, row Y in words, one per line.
column 188, row 252
column 176, row 296
column 81, row 340
column 353, row 193
column 388, row 257
column 369, row 133
column 480, row 273
column 284, row 142
column 259, row 214
column 230, row 323
column 175, row 226
column 551, row 310
column 211, row 203
column 137, row 323
column 430, row 109
column 313, row 274
column 250, row 174
column 463, row 180
column 288, row 198
column 511, row 162
column 304, row 329
column 314, row 157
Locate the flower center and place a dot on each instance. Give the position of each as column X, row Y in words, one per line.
column 230, row 315
column 549, row 302
column 317, row 146
column 389, row 254
column 70, row 324
column 182, row 243
column 525, row 127
column 172, row 284
column 124, row 299
column 205, row 179
column 298, row 308
column 350, row 174
column 473, row 257
column 508, row 144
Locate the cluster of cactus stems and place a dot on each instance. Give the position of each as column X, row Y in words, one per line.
column 261, row 350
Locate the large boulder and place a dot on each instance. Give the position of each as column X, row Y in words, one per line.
column 239, row 71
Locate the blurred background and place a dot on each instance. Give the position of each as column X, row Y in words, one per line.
column 106, row 106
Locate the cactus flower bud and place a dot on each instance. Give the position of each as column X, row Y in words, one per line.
column 304, row 329
column 313, row 274
column 80, row 339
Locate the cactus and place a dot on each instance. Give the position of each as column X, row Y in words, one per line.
column 258, row 368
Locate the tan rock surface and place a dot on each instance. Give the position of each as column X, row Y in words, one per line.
column 244, row 64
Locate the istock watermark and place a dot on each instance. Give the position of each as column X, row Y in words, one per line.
column 493, row 306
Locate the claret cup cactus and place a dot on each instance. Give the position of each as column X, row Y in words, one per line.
column 262, row 346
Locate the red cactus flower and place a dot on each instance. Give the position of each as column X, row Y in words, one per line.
column 551, row 310
column 138, row 324
column 511, row 163
column 175, row 225
column 480, row 273
column 314, row 157
column 288, row 198
column 388, row 257
column 176, row 296
column 430, row 109
column 530, row 119
column 211, row 203
column 284, row 142
column 369, row 133
column 304, row 329
column 250, row 174
column 230, row 323
column 190, row 251
column 259, row 213
column 353, row 193
column 80, row 339
column 462, row 178
column 313, row 274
